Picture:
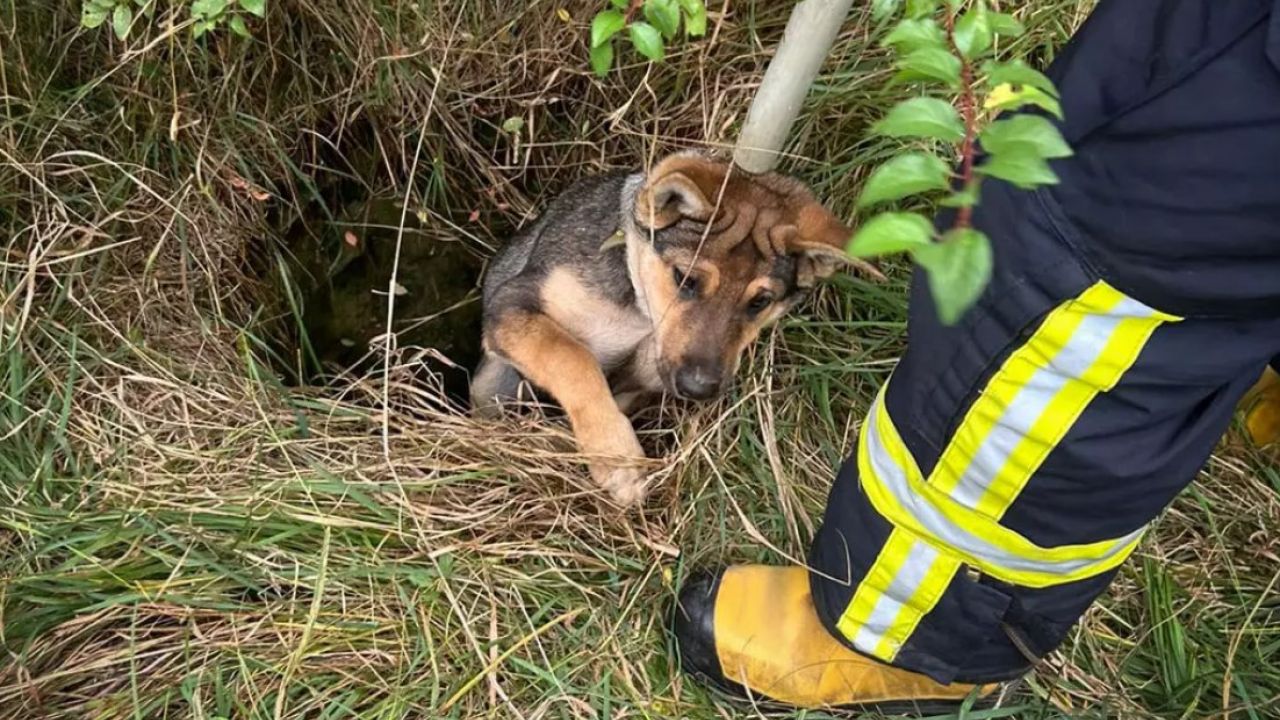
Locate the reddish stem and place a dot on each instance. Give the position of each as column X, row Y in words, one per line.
column 632, row 9
column 969, row 111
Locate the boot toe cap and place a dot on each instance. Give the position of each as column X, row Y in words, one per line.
column 694, row 626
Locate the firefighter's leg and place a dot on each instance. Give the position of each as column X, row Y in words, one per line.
column 1007, row 468
column 1014, row 460
column 999, row 480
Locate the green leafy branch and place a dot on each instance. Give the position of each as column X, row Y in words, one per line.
column 206, row 15
column 121, row 13
column 955, row 59
column 661, row 24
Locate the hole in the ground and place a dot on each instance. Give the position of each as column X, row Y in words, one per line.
column 340, row 268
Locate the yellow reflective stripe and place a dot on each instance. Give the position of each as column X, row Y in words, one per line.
column 927, row 593
column 998, row 541
column 1082, row 348
column 986, row 411
column 889, row 562
column 982, row 527
column 904, row 583
column 1063, row 412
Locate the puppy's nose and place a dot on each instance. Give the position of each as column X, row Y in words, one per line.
column 697, row 381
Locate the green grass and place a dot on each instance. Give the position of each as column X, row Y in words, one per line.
column 184, row 535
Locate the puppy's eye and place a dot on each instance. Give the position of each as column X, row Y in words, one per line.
column 759, row 303
column 687, row 284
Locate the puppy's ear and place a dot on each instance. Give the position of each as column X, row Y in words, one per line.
column 664, row 200
column 819, row 244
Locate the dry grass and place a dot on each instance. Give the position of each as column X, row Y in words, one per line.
column 185, row 535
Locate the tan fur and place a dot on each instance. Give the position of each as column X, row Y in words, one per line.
column 779, row 213
column 580, row 340
column 608, row 331
column 728, row 284
column 754, row 219
column 554, row 360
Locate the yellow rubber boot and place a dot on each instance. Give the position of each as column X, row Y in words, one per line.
column 752, row 631
column 1262, row 410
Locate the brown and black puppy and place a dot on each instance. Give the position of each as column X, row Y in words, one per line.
column 630, row 286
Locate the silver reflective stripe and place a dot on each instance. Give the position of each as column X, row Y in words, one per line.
column 890, row 603
column 1081, row 349
column 894, row 479
column 1071, row 362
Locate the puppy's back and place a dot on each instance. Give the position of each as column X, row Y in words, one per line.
column 569, row 232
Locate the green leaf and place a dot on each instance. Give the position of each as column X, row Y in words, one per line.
column 906, row 174
column 92, row 17
column 695, row 17
column 911, row 35
column 620, row 4
column 921, row 8
column 208, row 9
column 255, row 7
column 513, row 124
column 200, row 28
column 959, row 269
column 929, row 64
column 664, row 15
column 121, row 20
column 1026, row 95
column 647, row 40
column 107, row 5
column 967, row 197
column 1005, row 24
column 881, row 9
column 606, row 25
column 922, row 117
column 602, row 59
column 236, row 23
column 1019, row 166
column 1030, row 132
column 889, row 233
column 1016, row 72
column 973, row 31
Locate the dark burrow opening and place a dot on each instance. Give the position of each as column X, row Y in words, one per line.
column 336, row 269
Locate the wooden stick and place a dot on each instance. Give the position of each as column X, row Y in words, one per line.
column 811, row 30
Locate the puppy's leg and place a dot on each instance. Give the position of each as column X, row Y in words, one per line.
column 555, row 361
column 494, row 383
column 632, row 401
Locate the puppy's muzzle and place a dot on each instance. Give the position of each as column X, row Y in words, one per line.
column 698, row 381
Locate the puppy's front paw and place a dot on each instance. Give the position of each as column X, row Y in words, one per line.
column 616, row 459
column 625, row 484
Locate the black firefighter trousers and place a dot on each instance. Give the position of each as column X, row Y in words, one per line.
column 1013, row 461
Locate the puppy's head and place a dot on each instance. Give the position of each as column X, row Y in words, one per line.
column 719, row 254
